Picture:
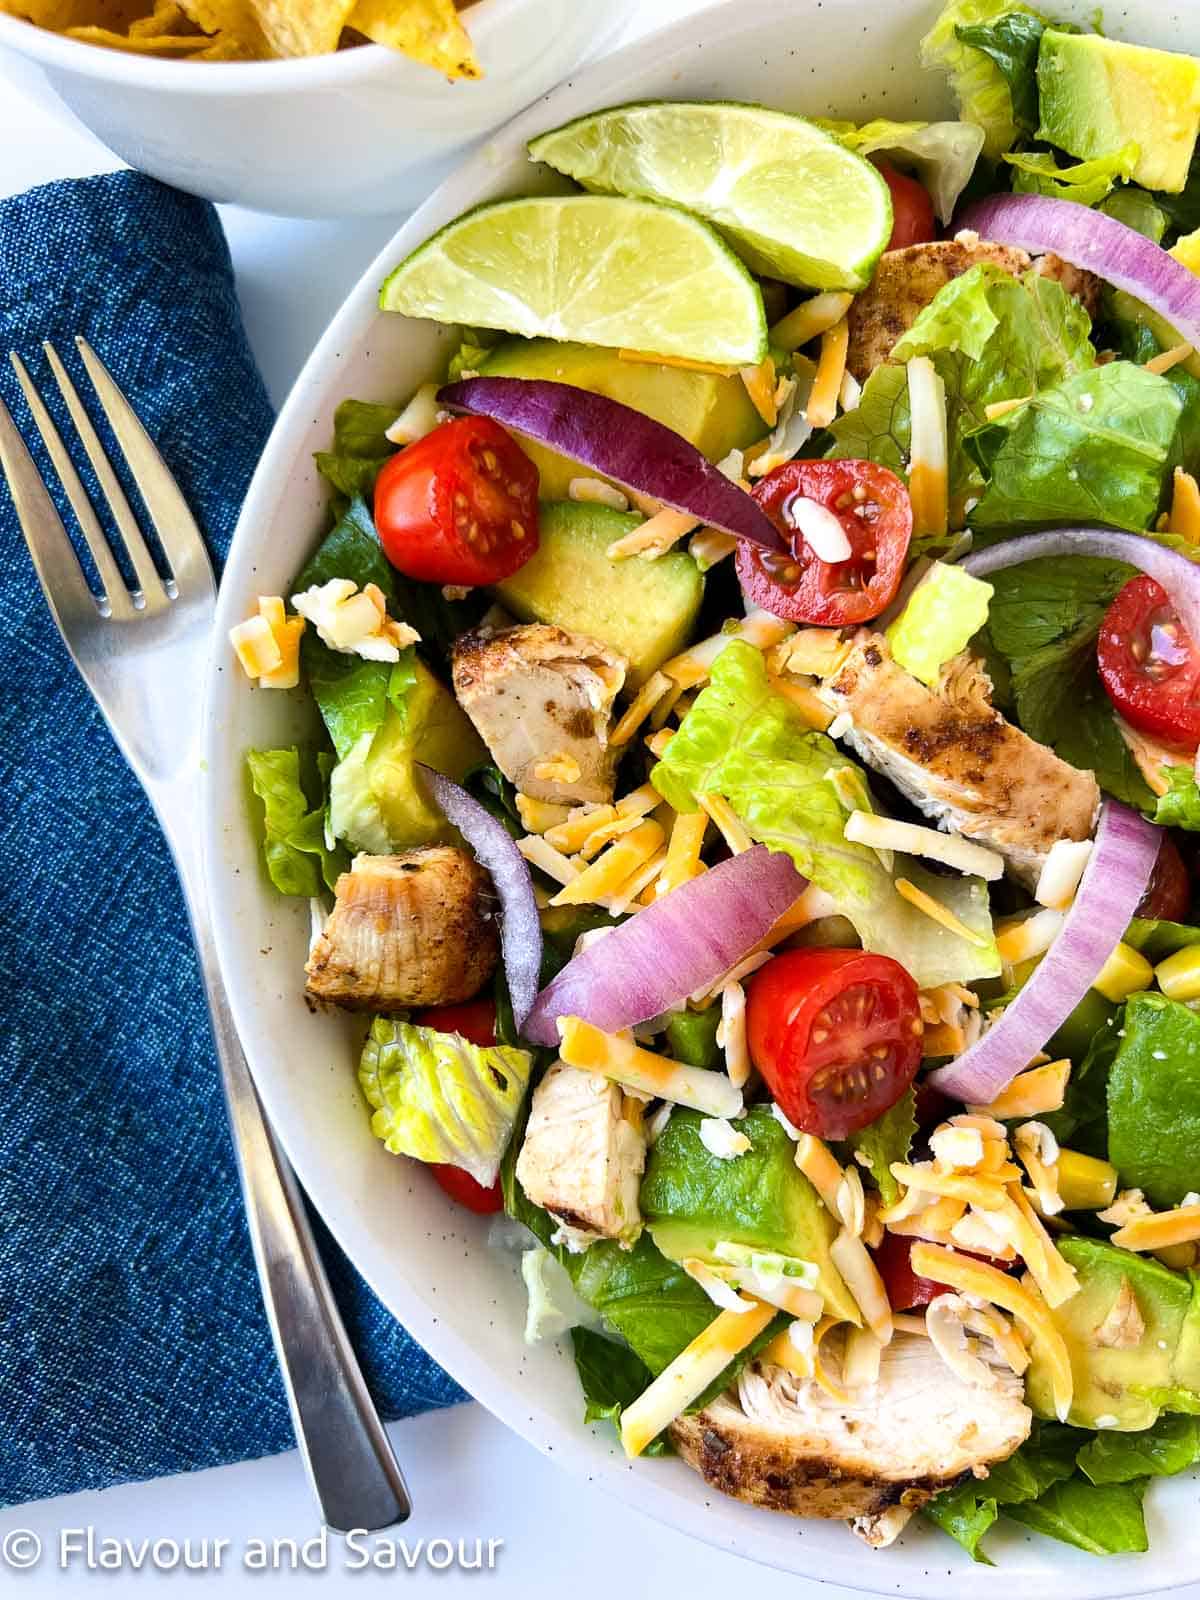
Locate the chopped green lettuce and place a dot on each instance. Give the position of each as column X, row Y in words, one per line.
column 991, row 337
column 1085, row 182
column 1097, row 447
column 889, row 1138
column 359, row 447
column 980, row 84
column 1012, row 42
column 746, row 742
column 611, row 1376
column 1154, row 1100
column 946, row 609
column 1158, row 939
column 1103, row 1519
column 1043, row 621
column 1170, row 1446
column 941, row 154
column 295, row 852
column 1180, row 806
column 1138, row 210
column 439, row 1098
column 552, row 1306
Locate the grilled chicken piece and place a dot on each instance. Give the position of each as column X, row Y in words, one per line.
column 956, row 758
column 581, row 1158
column 540, row 698
column 906, row 281
column 416, row 929
column 781, row 1442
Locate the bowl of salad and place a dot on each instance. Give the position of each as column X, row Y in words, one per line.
column 702, row 793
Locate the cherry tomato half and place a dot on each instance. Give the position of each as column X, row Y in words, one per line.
column 461, row 1186
column 1149, row 666
column 836, row 1034
column 875, row 512
column 474, row 1019
column 905, row 1290
column 1169, row 893
column 912, row 209
column 459, row 505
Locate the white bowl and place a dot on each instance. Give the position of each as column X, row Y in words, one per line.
column 426, row 1258
column 360, row 131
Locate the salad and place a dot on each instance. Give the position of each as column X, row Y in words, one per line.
column 755, row 819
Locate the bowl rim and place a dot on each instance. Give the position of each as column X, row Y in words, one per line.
column 336, row 69
column 939, row 1575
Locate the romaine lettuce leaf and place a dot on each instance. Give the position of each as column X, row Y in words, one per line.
column 439, row 1098
column 1043, row 620
column 1170, row 1446
column 1103, row 1519
column 1138, row 210
column 1154, row 1100
column 991, row 337
column 1012, row 42
column 359, row 447
column 979, row 83
column 967, row 1511
column 889, row 1138
column 295, row 853
column 611, row 1377
column 1095, row 448
column 946, row 609
column 742, row 740
column 1085, row 182
column 941, row 154
column 1180, row 806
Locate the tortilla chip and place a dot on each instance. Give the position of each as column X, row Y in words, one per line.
column 234, row 33
column 302, row 27
column 427, row 30
column 168, row 17
column 145, row 44
column 60, row 15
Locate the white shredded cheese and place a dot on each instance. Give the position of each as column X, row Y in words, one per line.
column 885, row 833
column 721, row 1139
column 731, row 1033
column 354, row 622
column 594, row 491
column 419, row 417
column 1061, row 872
column 959, row 1149
column 821, row 530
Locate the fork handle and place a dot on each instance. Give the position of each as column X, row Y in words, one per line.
column 354, row 1473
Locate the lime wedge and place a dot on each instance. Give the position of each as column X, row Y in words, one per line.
column 792, row 201
column 590, row 268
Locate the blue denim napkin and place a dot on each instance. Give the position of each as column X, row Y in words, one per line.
column 132, row 1337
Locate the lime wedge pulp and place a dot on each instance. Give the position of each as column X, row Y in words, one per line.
column 794, row 202
column 591, row 268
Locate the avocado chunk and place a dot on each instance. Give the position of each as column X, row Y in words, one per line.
column 376, row 802
column 644, row 609
column 1098, row 94
column 692, row 1037
column 692, row 1200
column 1126, row 1371
column 712, row 412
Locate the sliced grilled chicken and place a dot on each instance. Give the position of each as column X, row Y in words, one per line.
column 541, row 699
column 416, row 929
column 581, row 1157
column 956, row 758
column 906, row 281
column 781, row 1442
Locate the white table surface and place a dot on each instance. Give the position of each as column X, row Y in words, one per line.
column 471, row 1479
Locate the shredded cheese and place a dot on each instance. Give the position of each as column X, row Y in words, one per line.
column 709, row 545
column 820, row 529
column 1166, row 359
column 613, row 866
column 683, row 852
column 640, row 707
column 691, row 1372
column 540, row 853
column 654, row 537
column 1184, row 518
column 831, row 369
column 353, row 621
column 812, row 318
column 937, row 912
column 1037, row 1150
column 972, row 1277
column 1031, row 1093
column 419, row 417
column 861, row 1358
column 1061, row 872
column 693, row 665
column 861, row 1276
column 596, row 492
column 884, row 833
column 807, row 702
column 561, row 767
column 1161, row 1230
column 822, row 1170
column 268, row 645
column 573, row 833
column 1028, row 937
column 686, row 363
column 1002, row 408
column 639, row 885
column 988, row 1193
column 626, row 1063
column 760, row 386
column 729, row 824
column 731, row 1034
column 928, row 470
column 538, row 816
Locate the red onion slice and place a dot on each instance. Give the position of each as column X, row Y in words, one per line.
column 1113, row 883
column 1096, row 243
column 681, row 943
column 520, row 928
column 619, row 442
column 1178, row 576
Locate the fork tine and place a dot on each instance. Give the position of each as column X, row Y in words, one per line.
column 148, row 579
column 173, row 520
column 111, row 581
column 63, row 583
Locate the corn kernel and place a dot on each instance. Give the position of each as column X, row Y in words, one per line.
column 1179, row 975
column 1085, row 1183
column 1124, row 973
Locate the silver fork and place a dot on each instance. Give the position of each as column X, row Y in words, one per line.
column 141, row 652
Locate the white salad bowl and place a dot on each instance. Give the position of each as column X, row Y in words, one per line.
column 355, row 132
column 427, row 1259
